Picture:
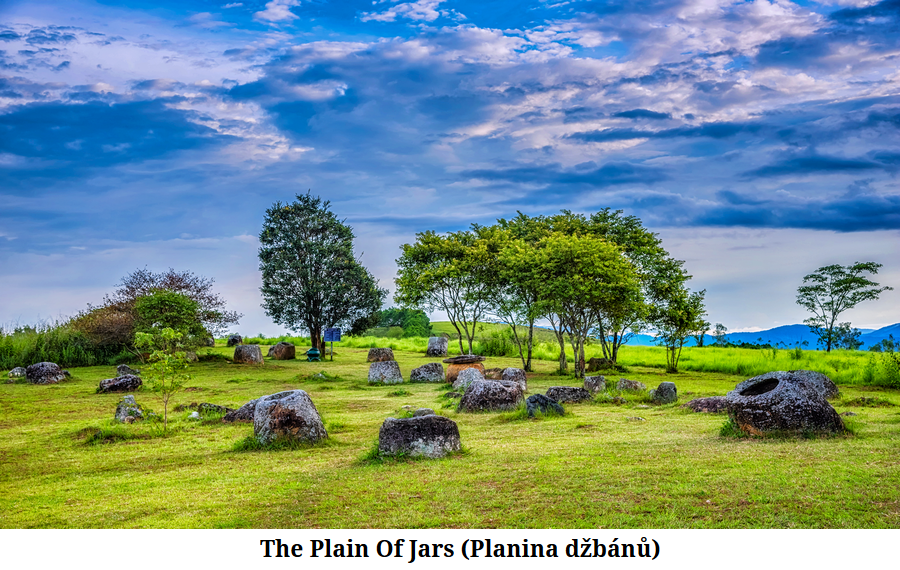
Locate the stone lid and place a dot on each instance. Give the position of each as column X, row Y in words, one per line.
column 465, row 359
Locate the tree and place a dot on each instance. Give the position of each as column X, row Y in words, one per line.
column 675, row 319
column 113, row 324
column 656, row 270
column 310, row 278
column 168, row 362
column 581, row 277
column 413, row 322
column 833, row 289
column 446, row 273
column 720, row 335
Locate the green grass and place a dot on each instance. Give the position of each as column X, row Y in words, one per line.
column 673, row 470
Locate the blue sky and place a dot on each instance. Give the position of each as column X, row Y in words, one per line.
column 760, row 139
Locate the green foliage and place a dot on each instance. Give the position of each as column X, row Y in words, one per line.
column 402, row 323
column 497, row 343
column 110, row 434
column 168, row 310
column 730, row 429
column 143, row 282
column 830, row 291
column 251, row 443
column 581, row 278
column 310, row 277
column 520, row 413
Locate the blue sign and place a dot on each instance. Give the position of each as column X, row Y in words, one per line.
column 332, row 335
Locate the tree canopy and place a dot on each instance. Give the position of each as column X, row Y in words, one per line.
column 311, row 279
column 580, row 277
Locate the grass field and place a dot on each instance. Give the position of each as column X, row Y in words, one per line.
column 594, row 467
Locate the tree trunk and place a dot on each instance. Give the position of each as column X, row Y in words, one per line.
column 458, row 336
column 530, row 344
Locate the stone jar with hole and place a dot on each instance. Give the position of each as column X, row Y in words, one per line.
column 781, row 402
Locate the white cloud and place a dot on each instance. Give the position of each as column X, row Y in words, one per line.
column 278, row 11
column 419, row 11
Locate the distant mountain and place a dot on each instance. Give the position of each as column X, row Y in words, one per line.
column 787, row 335
column 879, row 335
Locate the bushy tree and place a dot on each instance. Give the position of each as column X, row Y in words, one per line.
column 656, row 270
column 143, row 282
column 833, row 289
column 847, row 337
column 414, row 322
column 311, row 279
column 112, row 325
column 166, row 309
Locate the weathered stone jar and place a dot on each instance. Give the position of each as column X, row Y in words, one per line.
column 287, row 415
column 427, row 435
column 781, row 401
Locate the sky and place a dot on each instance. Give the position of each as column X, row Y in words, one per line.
column 759, row 139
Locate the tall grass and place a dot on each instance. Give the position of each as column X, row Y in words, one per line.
column 47, row 342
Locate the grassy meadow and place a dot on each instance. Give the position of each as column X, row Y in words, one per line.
column 65, row 463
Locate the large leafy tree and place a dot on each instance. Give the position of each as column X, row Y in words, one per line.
column 447, row 273
column 833, row 289
column 311, row 279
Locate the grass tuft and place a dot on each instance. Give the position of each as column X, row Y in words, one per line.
column 108, row 434
column 251, row 444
